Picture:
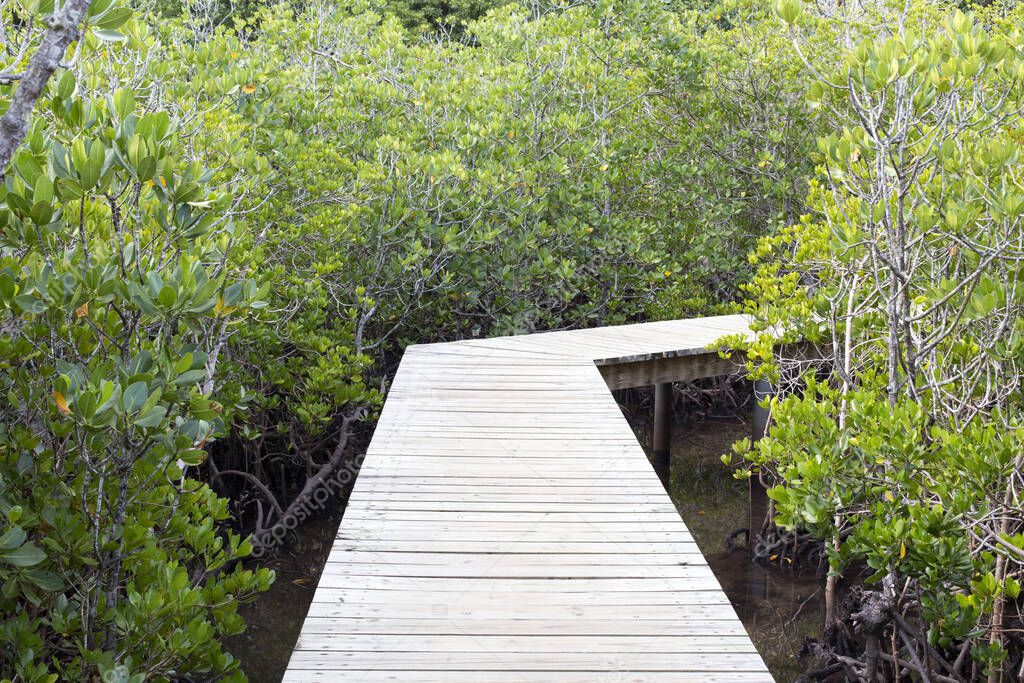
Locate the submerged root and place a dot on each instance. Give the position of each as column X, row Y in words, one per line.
column 787, row 549
column 730, row 541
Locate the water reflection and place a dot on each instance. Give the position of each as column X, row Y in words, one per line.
column 778, row 608
column 275, row 618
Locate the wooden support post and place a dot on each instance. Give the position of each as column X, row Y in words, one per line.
column 662, row 437
column 757, row 510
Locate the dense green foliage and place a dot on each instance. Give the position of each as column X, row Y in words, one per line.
column 230, row 218
column 902, row 450
column 113, row 290
column 110, row 289
column 587, row 167
column 467, row 191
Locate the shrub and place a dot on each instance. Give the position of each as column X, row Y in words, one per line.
column 112, row 290
column 902, row 448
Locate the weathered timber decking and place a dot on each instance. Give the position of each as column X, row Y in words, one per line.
column 506, row 525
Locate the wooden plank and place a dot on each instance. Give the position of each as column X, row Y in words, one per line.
column 413, row 599
column 493, row 567
column 456, row 612
column 462, row 607
column 542, row 495
column 441, row 624
column 624, row 562
column 526, row 661
column 525, row 517
column 620, row 527
column 631, row 584
column 625, row 535
column 598, row 539
column 624, row 508
column 447, row 485
column 456, row 545
column 550, row 644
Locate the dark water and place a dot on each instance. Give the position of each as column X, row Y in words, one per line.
column 778, row 609
column 274, row 620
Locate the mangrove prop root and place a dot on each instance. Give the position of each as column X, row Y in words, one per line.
column 790, row 549
column 730, row 540
column 879, row 620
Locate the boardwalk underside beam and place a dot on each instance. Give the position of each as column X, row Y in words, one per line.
column 659, row 370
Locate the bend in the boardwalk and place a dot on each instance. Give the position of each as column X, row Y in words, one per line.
column 506, row 526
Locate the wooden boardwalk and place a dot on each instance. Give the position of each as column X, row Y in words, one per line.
column 506, row 526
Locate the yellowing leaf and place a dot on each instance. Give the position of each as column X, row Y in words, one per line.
column 903, row 550
column 221, row 309
column 62, row 403
column 248, row 88
column 82, row 310
column 889, row 497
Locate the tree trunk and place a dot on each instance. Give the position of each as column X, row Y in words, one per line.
column 831, row 583
column 63, row 28
column 995, row 635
